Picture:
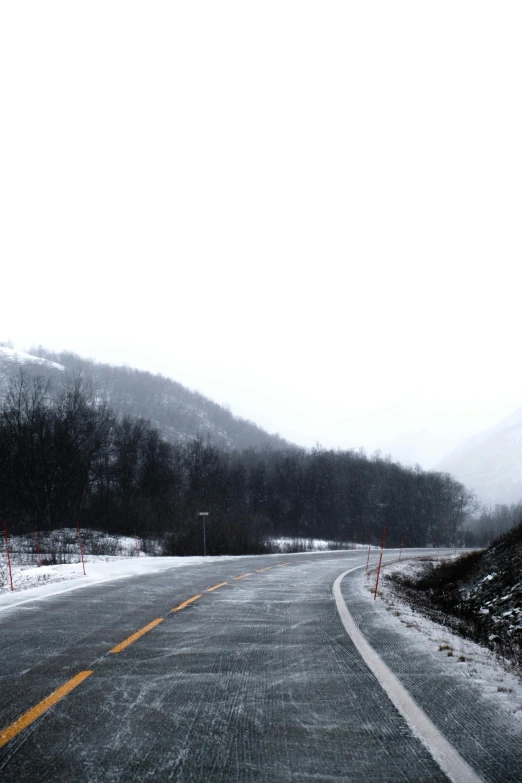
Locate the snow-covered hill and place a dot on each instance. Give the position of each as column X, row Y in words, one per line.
column 10, row 359
column 491, row 462
column 179, row 413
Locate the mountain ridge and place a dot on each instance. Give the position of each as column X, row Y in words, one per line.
column 178, row 412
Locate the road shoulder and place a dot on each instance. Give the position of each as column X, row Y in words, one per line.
column 482, row 733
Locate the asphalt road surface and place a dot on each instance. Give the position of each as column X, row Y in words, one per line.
column 254, row 680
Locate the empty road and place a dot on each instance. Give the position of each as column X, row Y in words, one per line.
column 238, row 670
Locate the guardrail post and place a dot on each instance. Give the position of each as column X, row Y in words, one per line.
column 380, row 561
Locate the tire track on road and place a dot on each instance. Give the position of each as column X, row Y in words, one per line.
column 34, row 713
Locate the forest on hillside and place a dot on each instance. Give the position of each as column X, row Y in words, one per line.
column 178, row 412
column 66, row 457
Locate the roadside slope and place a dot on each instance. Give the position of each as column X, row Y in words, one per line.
column 481, row 730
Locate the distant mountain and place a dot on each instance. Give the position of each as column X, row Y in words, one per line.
column 491, row 463
column 180, row 414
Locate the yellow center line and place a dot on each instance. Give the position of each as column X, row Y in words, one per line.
column 31, row 715
column 215, row 587
column 135, row 636
column 185, row 603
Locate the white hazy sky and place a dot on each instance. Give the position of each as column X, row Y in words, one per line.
column 310, row 211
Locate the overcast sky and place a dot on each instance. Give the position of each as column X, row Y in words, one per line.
column 310, row 211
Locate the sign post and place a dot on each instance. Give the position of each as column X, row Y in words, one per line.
column 204, row 514
column 38, row 549
column 8, row 554
column 81, row 547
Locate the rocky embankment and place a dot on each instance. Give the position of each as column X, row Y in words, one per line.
column 479, row 594
column 494, row 593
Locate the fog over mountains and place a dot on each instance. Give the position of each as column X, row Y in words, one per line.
column 179, row 414
column 491, row 463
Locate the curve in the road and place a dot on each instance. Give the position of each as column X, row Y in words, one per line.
column 446, row 756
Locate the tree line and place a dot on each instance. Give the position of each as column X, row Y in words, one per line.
column 66, row 457
column 493, row 522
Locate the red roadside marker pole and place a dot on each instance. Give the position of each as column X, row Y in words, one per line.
column 8, row 554
column 38, row 548
column 380, row 561
column 137, row 547
column 81, row 547
column 368, row 558
column 400, row 553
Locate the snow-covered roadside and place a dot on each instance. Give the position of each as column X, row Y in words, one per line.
column 33, row 582
column 40, row 582
column 61, row 548
column 495, row 677
column 107, row 557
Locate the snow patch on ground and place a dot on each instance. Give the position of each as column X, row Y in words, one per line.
column 288, row 544
column 106, row 557
column 495, row 676
column 33, row 583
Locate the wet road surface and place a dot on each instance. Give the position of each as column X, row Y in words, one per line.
column 254, row 680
